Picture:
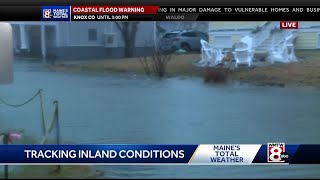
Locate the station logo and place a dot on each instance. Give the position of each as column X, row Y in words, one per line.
column 46, row 13
column 55, row 13
column 276, row 153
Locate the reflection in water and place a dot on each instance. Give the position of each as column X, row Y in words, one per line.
column 132, row 109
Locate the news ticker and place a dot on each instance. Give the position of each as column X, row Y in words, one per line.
column 170, row 13
column 158, row 13
column 162, row 2
column 134, row 154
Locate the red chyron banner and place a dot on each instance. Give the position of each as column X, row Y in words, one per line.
column 114, row 9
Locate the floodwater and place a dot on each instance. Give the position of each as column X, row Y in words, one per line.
column 131, row 109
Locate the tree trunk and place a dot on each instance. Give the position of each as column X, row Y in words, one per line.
column 128, row 31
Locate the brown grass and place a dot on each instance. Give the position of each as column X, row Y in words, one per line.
column 305, row 72
column 178, row 65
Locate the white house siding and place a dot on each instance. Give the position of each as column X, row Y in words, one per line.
column 175, row 26
column 76, row 33
column 74, row 43
column 308, row 33
column 307, row 24
column 236, row 38
column 63, row 34
column 234, row 35
column 233, row 25
column 224, row 41
column 308, row 36
column 307, row 40
column 51, row 40
column 145, row 35
column 28, row 39
column 232, row 31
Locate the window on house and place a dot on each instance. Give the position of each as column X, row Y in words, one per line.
column 92, row 34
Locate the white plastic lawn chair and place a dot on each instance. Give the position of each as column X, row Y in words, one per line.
column 243, row 52
column 285, row 53
column 210, row 56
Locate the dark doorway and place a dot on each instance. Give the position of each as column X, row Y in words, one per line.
column 35, row 41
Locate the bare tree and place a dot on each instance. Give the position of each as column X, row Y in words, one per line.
column 128, row 31
column 160, row 62
column 146, row 65
column 156, row 64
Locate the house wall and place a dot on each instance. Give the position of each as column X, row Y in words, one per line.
column 236, row 38
column 51, row 40
column 233, row 38
column 219, row 25
column 188, row 25
column 76, row 34
column 73, row 40
column 234, row 35
column 145, row 35
column 234, row 29
column 306, row 40
column 306, row 24
column 62, row 33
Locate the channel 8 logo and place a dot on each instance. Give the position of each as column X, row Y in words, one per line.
column 276, row 152
column 46, row 13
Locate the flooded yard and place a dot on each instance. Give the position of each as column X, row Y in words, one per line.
column 117, row 109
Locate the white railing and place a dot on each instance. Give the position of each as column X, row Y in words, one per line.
column 263, row 34
column 279, row 37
